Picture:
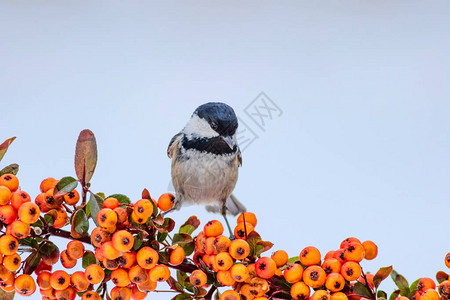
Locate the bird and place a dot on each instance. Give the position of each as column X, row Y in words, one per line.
column 205, row 160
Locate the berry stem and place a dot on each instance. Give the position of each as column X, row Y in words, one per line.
column 210, row 293
column 66, row 234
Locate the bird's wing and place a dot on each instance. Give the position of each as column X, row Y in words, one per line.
column 239, row 157
column 233, row 207
column 174, row 144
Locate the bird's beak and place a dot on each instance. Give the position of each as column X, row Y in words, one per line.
column 229, row 140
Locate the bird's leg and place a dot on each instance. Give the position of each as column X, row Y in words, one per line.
column 224, row 211
column 164, row 213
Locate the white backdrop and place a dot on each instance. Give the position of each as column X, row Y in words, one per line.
column 358, row 143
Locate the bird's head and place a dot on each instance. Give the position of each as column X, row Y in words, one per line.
column 213, row 119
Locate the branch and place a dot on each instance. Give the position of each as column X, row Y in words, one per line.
column 66, row 234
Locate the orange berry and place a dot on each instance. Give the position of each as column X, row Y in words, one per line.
column 120, row 277
column 335, row 282
column 330, row 254
column 24, row 285
column 239, row 272
column 121, row 293
column 249, row 218
column 67, row 261
column 166, row 201
column 12, row 262
column 10, row 181
column 136, row 294
column 198, row 278
column 143, row 208
column 52, row 202
column 314, row 276
column 230, row 295
column 41, row 203
column 200, row 241
column 280, row 257
column 122, row 216
column 351, row 270
column 94, row 274
column 345, row 242
column 75, row 249
column 338, row 296
column 5, row 195
column 225, row 278
column 320, row 295
column 111, row 203
column 61, row 218
column 221, row 243
column 8, row 244
column 354, row 251
column 370, row 249
column 444, row 289
column 177, row 256
column 72, row 198
column 19, row 229
column 339, row 255
column 213, row 228
column 147, row 286
column 43, row 280
column 265, row 267
column 446, row 260
column 66, row 294
column 430, row 294
column 7, row 214
column 109, row 251
column 29, row 212
column 300, row 291
column 91, row 295
column 127, row 260
column 123, row 240
column 209, row 245
column 48, row 183
column 106, row 217
column 99, row 236
column 147, row 257
column 331, row 265
column 159, row 273
column 310, row 256
column 242, row 230
column 424, row 284
column 137, row 274
column 138, row 219
column 224, row 261
column 18, row 198
column 60, row 280
column 79, row 281
column 293, row 273
column 239, row 249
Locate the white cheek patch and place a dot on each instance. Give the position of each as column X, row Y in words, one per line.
column 199, row 127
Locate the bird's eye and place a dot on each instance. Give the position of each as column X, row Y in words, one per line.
column 214, row 125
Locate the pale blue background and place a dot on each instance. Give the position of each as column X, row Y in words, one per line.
column 362, row 147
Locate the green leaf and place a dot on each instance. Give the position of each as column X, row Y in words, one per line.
column 361, row 289
column 181, row 238
column 381, row 294
column 161, row 236
column 88, row 210
column 394, row 295
column 51, row 216
column 187, row 229
column 88, row 259
column 381, row 275
column 85, row 156
column 441, row 276
column 252, row 239
column 80, row 222
column 95, row 205
column 32, row 262
column 4, row 146
column 11, row 169
column 181, row 278
column 122, row 198
column 7, row 295
column 192, row 221
column 292, row 260
column 64, row 186
column 137, row 243
column 401, row 282
column 413, row 288
column 188, row 248
column 38, row 223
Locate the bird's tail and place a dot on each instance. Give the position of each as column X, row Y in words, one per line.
column 233, row 206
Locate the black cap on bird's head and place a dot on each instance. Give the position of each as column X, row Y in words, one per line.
column 220, row 116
